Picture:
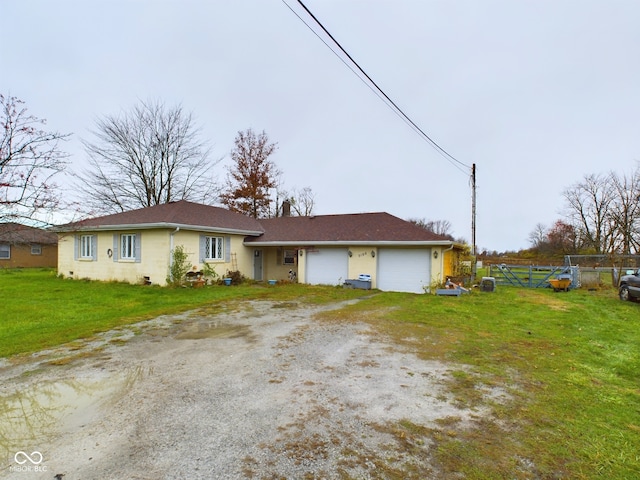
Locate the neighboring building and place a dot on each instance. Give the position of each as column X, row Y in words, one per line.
column 22, row 246
column 136, row 247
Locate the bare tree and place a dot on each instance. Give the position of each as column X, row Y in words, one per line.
column 253, row 176
column 625, row 211
column 538, row 236
column 439, row 227
column 148, row 156
column 29, row 159
column 302, row 201
column 588, row 208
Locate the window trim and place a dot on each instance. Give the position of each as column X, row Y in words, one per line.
column 86, row 247
column 8, row 250
column 131, row 248
column 36, row 249
column 213, row 245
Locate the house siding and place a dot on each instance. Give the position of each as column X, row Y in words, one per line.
column 154, row 256
column 234, row 258
column 274, row 267
column 107, row 266
column 362, row 261
column 21, row 257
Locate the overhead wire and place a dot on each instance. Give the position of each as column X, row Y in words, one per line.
column 373, row 86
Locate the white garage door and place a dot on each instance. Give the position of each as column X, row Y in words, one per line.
column 404, row 270
column 327, row 266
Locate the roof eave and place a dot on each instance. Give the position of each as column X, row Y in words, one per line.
column 333, row 243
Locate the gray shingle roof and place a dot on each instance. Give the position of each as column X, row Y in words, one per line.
column 16, row 233
column 347, row 228
column 171, row 215
column 378, row 227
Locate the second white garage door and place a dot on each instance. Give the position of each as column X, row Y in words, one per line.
column 404, row 270
column 327, row 266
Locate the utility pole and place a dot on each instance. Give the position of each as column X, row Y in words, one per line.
column 474, row 260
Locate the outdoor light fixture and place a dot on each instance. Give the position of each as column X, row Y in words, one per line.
column 350, row 253
column 435, row 254
column 373, row 254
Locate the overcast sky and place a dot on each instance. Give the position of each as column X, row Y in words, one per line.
column 536, row 93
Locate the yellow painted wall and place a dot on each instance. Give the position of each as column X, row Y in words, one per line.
column 273, row 266
column 154, row 253
column 154, row 247
column 362, row 261
column 448, row 263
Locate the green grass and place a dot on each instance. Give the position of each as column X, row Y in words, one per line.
column 569, row 362
column 40, row 310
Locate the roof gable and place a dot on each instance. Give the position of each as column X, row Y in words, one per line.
column 182, row 214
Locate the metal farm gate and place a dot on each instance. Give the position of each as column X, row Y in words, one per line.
column 530, row 276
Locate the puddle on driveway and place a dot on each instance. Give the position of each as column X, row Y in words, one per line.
column 50, row 408
column 212, row 329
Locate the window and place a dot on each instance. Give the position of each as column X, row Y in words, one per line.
column 5, row 251
column 286, row 257
column 36, row 249
column 128, row 246
column 213, row 248
column 86, row 246
column 289, row 257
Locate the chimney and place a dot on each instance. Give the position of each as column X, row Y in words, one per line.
column 286, row 208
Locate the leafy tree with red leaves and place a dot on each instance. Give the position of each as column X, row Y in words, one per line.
column 253, row 177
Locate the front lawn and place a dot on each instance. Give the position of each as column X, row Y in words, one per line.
column 40, row 310
column 558, row 372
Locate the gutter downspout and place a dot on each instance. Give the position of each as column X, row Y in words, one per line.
column 171, row 249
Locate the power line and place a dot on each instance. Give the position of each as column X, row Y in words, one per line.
column 374, row 86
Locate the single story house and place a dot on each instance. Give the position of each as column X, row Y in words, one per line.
column 137, row 246
column 22, row 246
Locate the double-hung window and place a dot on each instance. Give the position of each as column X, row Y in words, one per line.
column 5, row 251
column 86, row 246
column 213, row 248
column 128, row 246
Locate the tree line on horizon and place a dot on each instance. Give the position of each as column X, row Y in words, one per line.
column 601, row 216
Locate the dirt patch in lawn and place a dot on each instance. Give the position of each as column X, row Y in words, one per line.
column 264, row 391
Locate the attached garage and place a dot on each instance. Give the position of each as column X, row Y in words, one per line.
column 327, row 266
column 404, row 269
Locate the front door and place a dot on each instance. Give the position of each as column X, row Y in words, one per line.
column 257, row 265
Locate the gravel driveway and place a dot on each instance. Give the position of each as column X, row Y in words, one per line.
column 263, row 391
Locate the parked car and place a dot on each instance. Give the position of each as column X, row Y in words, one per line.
column 630, row 286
